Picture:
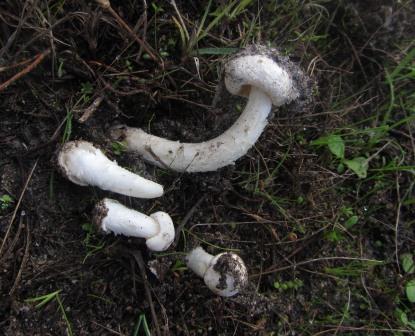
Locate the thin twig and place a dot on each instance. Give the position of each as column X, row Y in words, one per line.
column 6, row 236
column 89, row 111
column 105, row 4
column 187, row 218
column 14, row 65
column 142, row 21
column 274, row 270
column 155, row 157
column 364, row 329
column 112, row 331
column 37, row 60
column 22, row 21
column 398, row 217
column 118, row 92
column 139, row 259
column 16, row 237
column 25, row 258
column 33, row 151
column 344, row 314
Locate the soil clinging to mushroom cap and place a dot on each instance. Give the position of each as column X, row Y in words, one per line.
column 303, row 83
column 229, row 264
column 98, row 214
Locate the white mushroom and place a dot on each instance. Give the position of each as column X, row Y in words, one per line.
column 259, row 78
column 84, row 164
column 112, row 217
column 224, row 274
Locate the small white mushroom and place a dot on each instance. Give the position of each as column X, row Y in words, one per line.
column 84, row 164
column 224, row 274
column 259, row 78
column 112, row 217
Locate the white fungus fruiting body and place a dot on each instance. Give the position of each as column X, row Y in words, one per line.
column 113, row 217
column 84, row 164
column 260, row 78
column 224, row 274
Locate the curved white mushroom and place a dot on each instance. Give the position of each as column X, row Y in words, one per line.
column 84, row 164
column 259, row 78
column 224, row 274
column 157, row 229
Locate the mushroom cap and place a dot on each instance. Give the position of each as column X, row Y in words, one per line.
column 262, row 72
column 165, row 237
column 226, row 274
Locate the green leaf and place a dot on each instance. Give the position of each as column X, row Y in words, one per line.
column 322, row 141
column 336, row 145
column 60, row 68
column 409, row 201
column 87, row 227
column 5, row 201
column 351, row 221
column 401, row 315
column 6, row 198
column 410, row 290
column 334, row 142
column 157, row 8
column 87, row 88
column 119, row 147
column 411, row 324
column 340, row 168
column 346, row 211
column 334, row 236
column 179, row 265
column 407, row 262
column 358, row 165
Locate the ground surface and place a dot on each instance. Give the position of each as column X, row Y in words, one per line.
column 321, row 210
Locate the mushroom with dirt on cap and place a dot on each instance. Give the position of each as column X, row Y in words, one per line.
column 158, row 229
column 256, row 75
column 225, row 274
column 84, row 164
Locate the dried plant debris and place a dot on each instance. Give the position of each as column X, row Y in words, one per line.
column 320, row 209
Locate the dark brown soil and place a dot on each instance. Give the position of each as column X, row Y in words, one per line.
column 275, row 206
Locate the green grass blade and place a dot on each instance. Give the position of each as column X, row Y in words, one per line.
column 215, row 51
column 406, row 60
column 65, row 317
column 44, row 299
column 142, row 321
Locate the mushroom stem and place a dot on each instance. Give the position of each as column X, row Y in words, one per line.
column 157, row 229
column 84, row 164
column 259, row 77
column 224, row 274
column 204, row 156
column 127, row 222
column 198, row 260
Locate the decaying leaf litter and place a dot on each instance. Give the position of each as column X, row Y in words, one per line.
column 325, row 248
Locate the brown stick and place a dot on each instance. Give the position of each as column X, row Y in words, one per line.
column 187, row 218
column 15, row 239
column 139, row 259
column 105, row 4
column 6, row 236
column 39, row 58
column 24, row 259
column 89, row 111
column 142, row 43
column 15, row 65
